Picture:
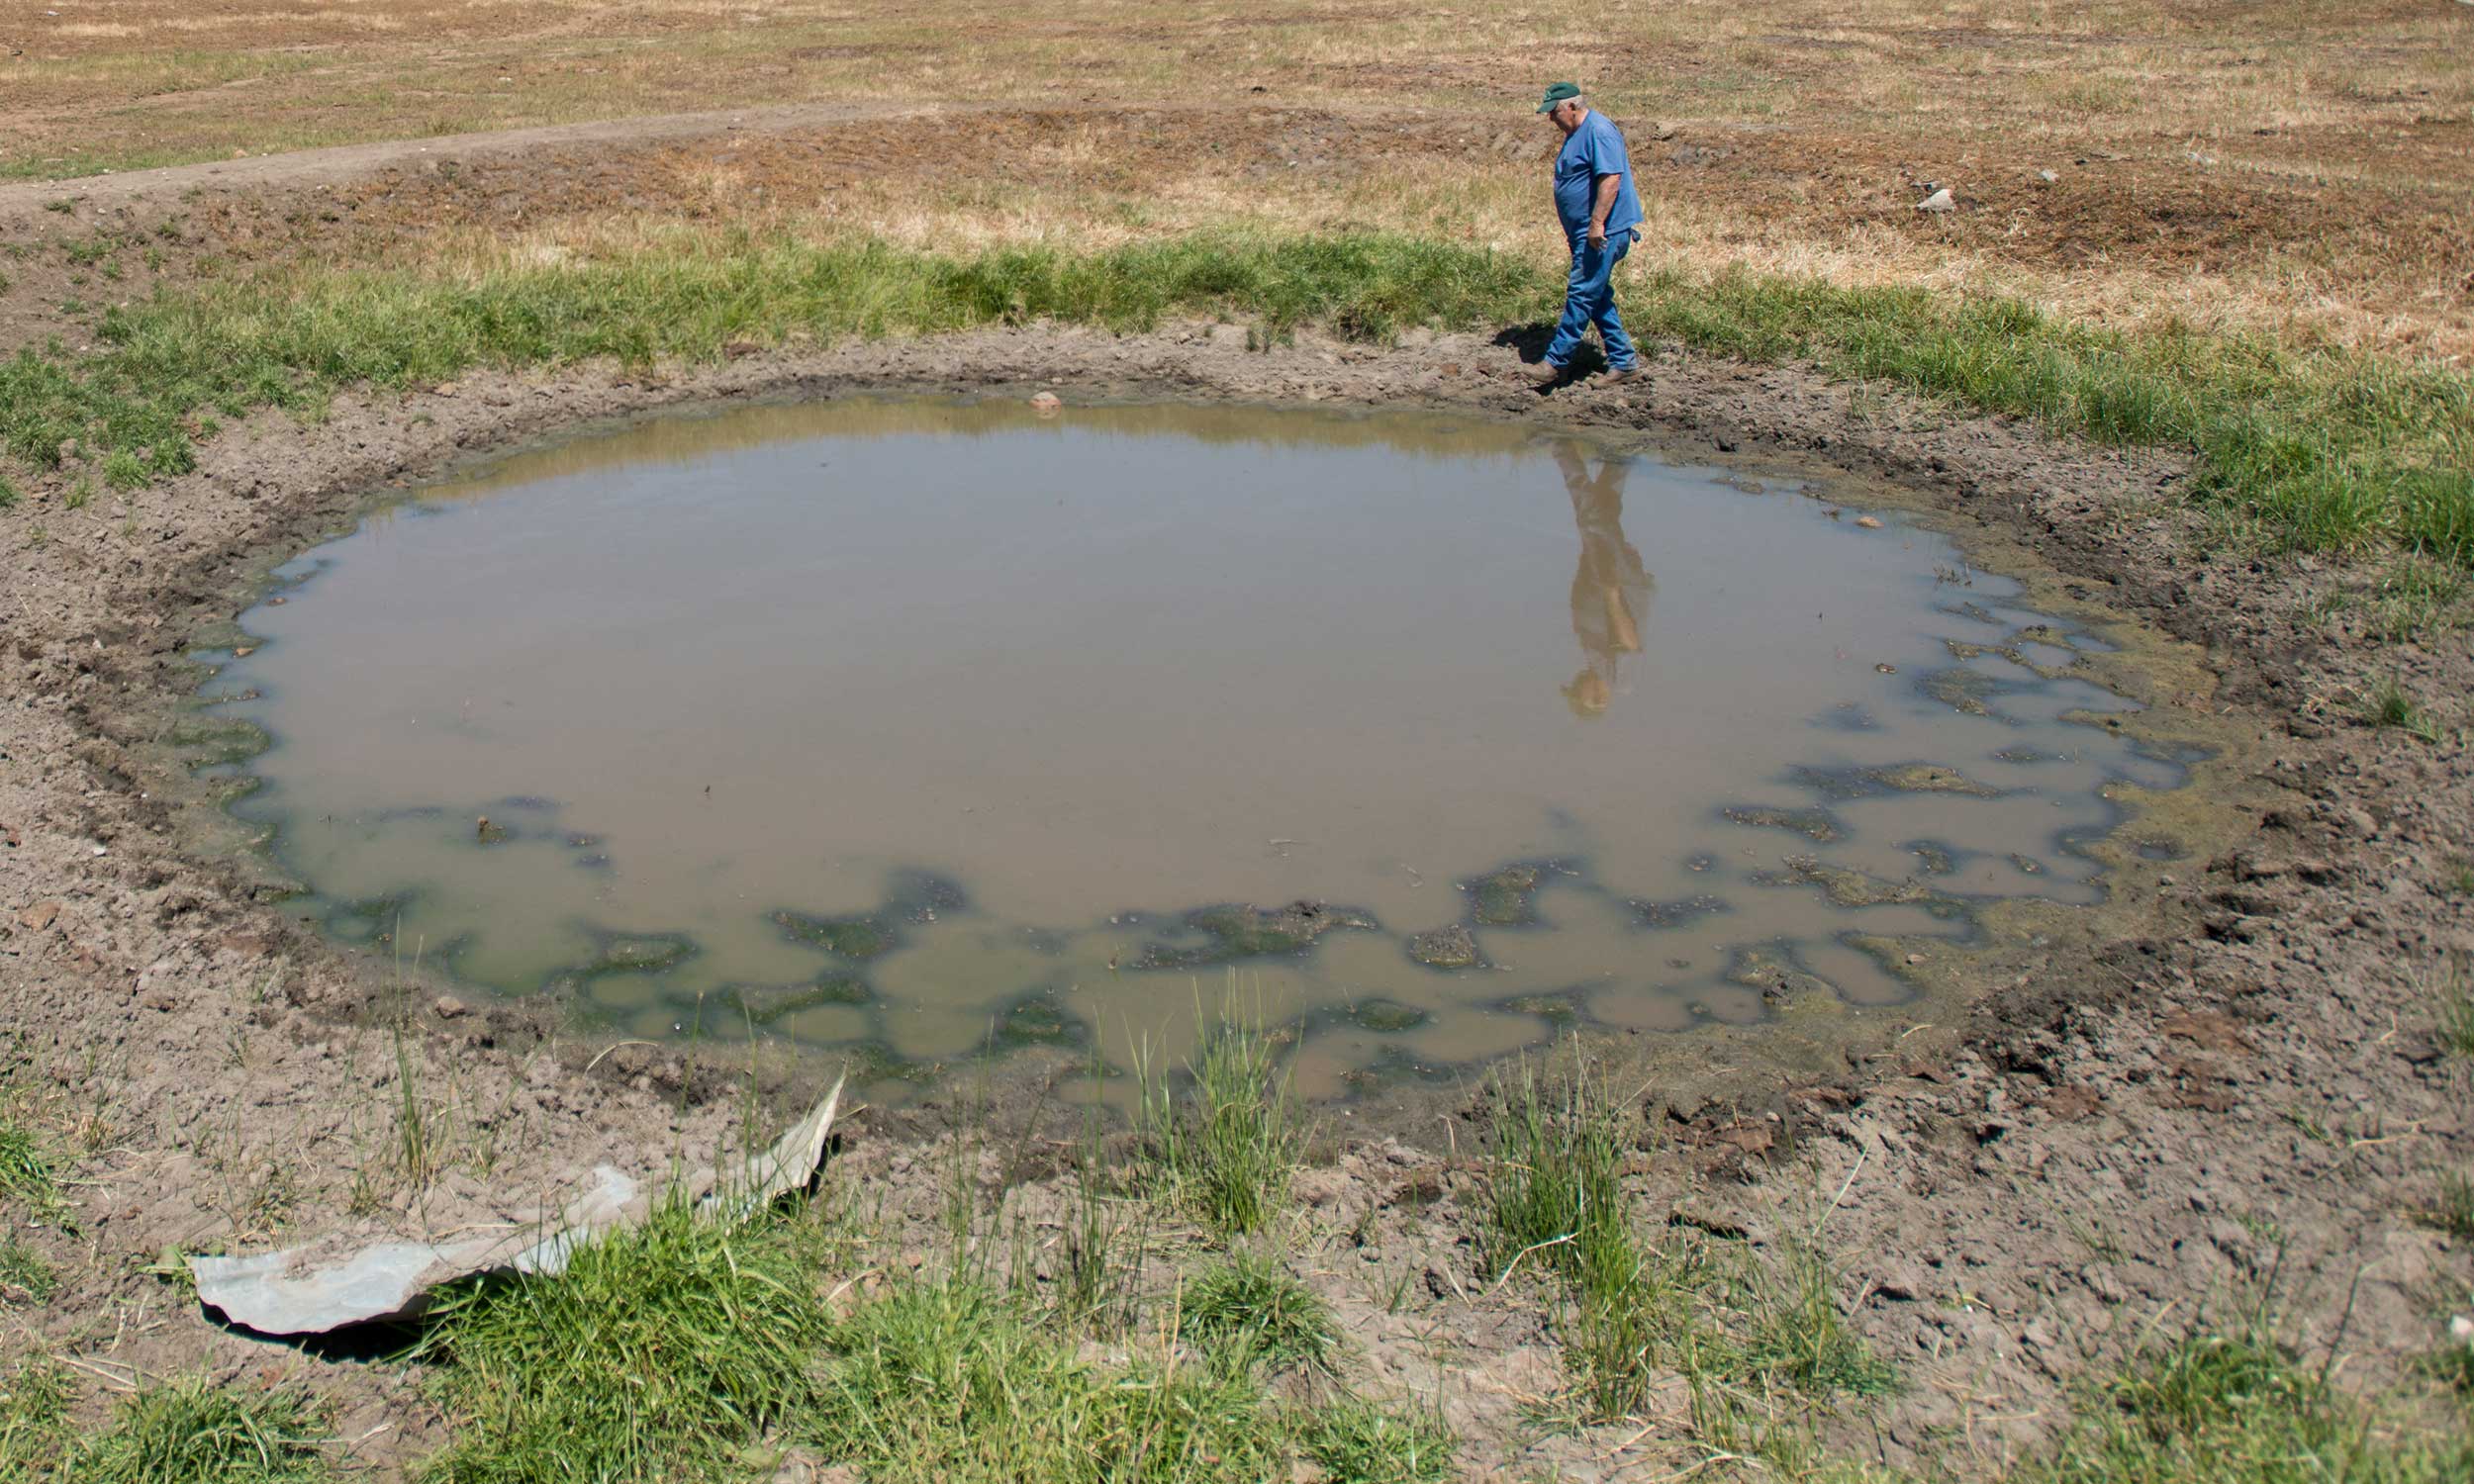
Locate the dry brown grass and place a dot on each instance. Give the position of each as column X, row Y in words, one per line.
column 2250, row 165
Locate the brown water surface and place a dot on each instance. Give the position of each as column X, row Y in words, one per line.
column 928, row 726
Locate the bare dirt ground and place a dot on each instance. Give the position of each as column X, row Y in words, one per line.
column 2233, row 1073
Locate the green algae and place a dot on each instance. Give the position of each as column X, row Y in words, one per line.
column 1677, row 913
column 649, row 952
column 1387, row 1017
column 1813, row 824
column 1507, row 897
column 1234, row 932
column 209, row 742
column 1847, row 887
column 1036, row 1019
column 861, row 937
column 1448, row 947
column 1961, row 690
column 765, row 1004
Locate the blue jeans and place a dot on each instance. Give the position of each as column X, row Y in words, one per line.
column 1590, row 299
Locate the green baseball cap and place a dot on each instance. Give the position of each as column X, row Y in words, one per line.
column 1559, row 92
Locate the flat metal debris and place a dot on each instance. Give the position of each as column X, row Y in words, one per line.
column 330, row 1282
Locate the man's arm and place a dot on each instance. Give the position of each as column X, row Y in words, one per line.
column 1608, row 185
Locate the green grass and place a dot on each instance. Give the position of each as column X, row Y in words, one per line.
column 2320, row 450
column 1740, row 1330
column 938, row 1381
column 1555, row 1203
column 24, row 1274
column 1225, row 1149
column 2236, row 1408
column 1795, row 1334
column 192, row 1431
column 663, row 1352
column 1359, row 1442
column 35, row 1397
column 27, row 1174
column 1251, row 1309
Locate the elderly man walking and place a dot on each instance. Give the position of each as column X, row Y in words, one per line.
column 1601, row 215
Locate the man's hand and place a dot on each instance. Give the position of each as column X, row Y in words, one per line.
column 1603, row 206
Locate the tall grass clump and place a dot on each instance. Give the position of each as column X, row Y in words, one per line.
column 2234, row 1407
column 1794, row 1333
column 1251, row 1309
column 1554, row 1202
column 1224, row 1146
column 193, row 1431
column 663, row 1352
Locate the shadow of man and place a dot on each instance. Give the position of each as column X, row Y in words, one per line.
column 1610, row 587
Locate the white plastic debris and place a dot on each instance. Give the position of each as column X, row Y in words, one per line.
column 325, row 1283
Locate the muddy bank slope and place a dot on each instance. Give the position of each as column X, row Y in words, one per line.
column 2121, row 1128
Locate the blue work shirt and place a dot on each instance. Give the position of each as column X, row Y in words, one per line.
column 1595, row 149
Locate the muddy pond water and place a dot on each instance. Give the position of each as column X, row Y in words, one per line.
column 925, row 729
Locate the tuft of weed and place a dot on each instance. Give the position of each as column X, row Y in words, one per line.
column 1795, row 1332
column 2452, row 1209
column 662, row 1352
column 1359, row 1442
column 948, row 1381
column 1250, row 1309
column 1227, row 1149
column 2452, row 990
column 2389, row 704
column 193, row 1431
column 23, row 1272
column 2234, row 1407
column 8, row 494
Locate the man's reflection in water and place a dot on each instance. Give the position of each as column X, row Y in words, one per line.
column 1610, row 589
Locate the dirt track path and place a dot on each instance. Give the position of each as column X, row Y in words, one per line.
column 25, row 204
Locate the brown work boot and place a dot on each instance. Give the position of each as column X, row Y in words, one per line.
column 1617, row 378
column 1548, row 374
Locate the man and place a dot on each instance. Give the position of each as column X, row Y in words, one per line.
column 1601, row 215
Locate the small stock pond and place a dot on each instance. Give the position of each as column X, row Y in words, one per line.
column 922, row 728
